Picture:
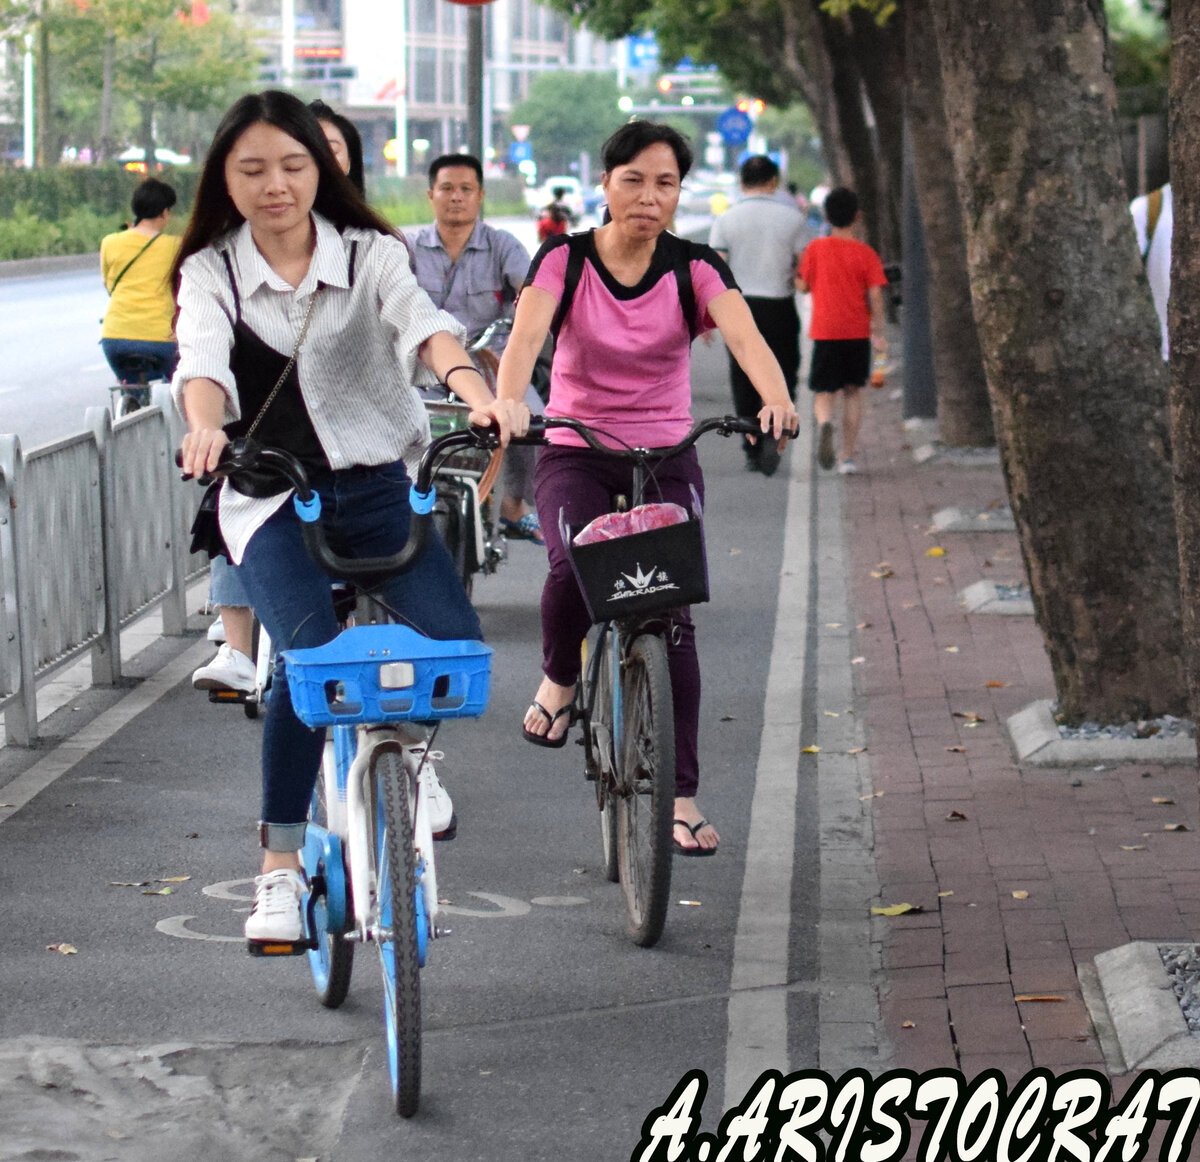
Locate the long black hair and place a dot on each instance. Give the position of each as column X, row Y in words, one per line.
column 214, row 213
column 352, row 138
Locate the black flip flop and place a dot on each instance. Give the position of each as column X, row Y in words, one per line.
column 691, row 829
column 543, row 739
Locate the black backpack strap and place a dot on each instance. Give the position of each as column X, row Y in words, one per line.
column 687, row 292
column 576, row 244
column 237, row 300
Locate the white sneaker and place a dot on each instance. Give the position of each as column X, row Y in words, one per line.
column 216, row 631
column 229, row 670
column 442, row 820
column 848, row 468
column 276, row 914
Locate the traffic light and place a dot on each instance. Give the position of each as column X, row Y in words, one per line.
column 664, row 84
column 752, row 105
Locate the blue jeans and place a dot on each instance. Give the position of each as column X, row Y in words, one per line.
column 225, row 585
column 160, row 358
column 365, row 513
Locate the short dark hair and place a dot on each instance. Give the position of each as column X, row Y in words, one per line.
column 634, row 136
column 213, row 212
column 353, row 139
column 841, row 207
column 757, row 171
column 151, row 199
column 448, row 159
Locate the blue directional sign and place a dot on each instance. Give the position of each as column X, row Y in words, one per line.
column 734, row 126
column 519, row 151
column 643, row 52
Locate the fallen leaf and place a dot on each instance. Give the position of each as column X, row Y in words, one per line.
column 173, row 880
column 952, row 649
column 832, row 714
column 857, row 661
column 863, row 625
column 873, row 795
column 1028, row 997
column 690, row 903
column 728, row 718
column 908, row 1024
column 1176, row 827
column 882, row 574
column 810, row 750
column 734, row 552
column 969, row 715
column 1020, row 894
column 1133, row 847
column 957, row 749
column 936, row 551
column 994, row 685
column 157, row 891
column 944, row 895
column 955, row 817
column 1164, row 802
column 7, row 804
column 129, row 883
column 833, row 625
column 897, row 910
column 856, row 750
column 64, row 948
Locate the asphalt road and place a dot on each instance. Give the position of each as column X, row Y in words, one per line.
column 547, row 1034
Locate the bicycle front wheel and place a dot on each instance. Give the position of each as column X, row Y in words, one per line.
column 399, row 915
column 646, row 788
column 602, row 725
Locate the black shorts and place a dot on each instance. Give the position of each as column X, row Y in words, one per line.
column 838, row 363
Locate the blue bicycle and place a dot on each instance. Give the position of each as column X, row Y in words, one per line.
column 369, row 851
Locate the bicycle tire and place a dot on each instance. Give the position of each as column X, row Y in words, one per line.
column 127, row 404
column 451, row 525
column 399, row 955
column 603, row 750
column 646, row 784
column 332, row 961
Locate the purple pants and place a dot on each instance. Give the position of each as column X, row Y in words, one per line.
column 581, row 483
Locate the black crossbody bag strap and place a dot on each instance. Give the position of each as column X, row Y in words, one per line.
column 132, row 261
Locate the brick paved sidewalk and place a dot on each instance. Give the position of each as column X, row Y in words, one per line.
column 1023, row 875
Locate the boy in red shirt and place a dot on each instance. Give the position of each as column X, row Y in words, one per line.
column 846, row 280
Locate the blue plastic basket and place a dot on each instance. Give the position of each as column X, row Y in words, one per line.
column 388, row 673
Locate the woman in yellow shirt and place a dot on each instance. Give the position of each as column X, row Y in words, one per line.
column 136, row 264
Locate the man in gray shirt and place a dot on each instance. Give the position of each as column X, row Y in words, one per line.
column 474, row 271
column 762, row 237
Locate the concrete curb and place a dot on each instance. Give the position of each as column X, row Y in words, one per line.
column 945, row 456
column 1142, row 1010
column 984, row 597
column 960, row 520
column 1035, row 739
column 58, row 264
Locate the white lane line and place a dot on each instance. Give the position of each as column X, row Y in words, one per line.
column 757, row 1037
column 97, row 732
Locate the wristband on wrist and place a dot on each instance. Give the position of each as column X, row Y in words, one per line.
column 461, row 367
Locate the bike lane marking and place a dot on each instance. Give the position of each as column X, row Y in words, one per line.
column 80, row 745
column 757, row 1012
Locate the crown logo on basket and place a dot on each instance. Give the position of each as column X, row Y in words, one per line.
column 641, row 583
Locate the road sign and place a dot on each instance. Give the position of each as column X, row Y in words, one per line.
column 520, row 132
column 519, row 151
column 643, row 52
column 734, row 126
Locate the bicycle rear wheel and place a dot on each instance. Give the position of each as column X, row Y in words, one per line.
column 399, row 915
column 332, row 961
column 601, row 725
column 646, row 782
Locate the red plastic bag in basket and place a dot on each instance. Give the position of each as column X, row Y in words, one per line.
column 642, row 519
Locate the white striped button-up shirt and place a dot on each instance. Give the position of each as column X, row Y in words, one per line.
column 357, row 367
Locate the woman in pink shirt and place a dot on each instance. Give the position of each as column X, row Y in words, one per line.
column 622, row 362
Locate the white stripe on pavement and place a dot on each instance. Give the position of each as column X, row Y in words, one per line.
column 757, row 1037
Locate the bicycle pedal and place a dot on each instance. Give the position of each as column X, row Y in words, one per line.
column 228, row 696
column 280, row 947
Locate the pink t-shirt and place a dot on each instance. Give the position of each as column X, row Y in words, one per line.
column 623, row 355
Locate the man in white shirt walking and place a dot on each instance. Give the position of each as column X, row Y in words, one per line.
column 762, row 237
column 1154, row 221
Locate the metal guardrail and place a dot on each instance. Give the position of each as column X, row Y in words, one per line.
column 94, row 531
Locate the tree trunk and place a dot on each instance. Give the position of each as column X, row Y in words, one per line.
column 857, row 137
column 1072, row 357
column 106, row 97
column 964, row 410
column 1184, row 324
